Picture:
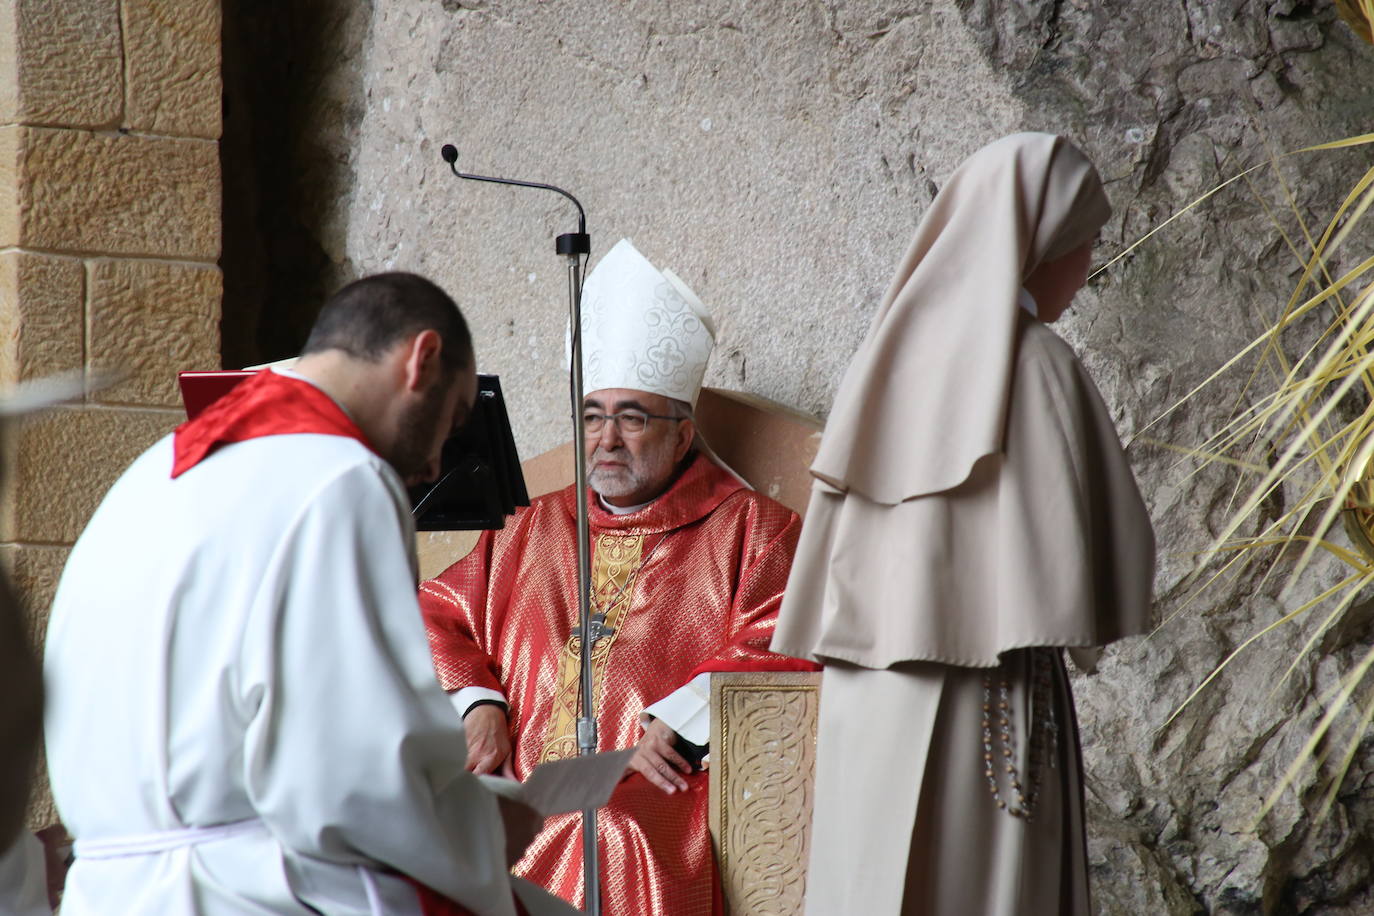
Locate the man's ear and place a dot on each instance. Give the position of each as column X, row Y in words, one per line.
column 422, row 360
column 686, row 432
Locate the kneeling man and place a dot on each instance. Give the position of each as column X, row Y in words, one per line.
column 242, row 713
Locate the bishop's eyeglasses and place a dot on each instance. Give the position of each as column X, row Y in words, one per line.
column 629, row 423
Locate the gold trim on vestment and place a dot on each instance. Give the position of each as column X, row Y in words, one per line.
column 615, row 567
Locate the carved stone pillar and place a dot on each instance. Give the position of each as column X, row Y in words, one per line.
column 763, row 760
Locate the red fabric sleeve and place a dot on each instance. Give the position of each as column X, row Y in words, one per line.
column 755, row 610
column 771, row 662
column 454, row 604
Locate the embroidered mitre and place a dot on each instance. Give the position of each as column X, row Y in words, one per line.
column 643, row 328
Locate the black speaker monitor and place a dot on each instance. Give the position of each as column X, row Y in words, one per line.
column 480, row 481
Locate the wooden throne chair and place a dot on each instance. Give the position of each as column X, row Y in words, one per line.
column 763, row 725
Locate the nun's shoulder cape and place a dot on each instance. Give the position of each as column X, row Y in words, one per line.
column 1046, row 542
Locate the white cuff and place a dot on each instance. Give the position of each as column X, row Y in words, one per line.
column 687, row 710
column 463, row 698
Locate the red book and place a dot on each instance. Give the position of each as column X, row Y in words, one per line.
column 201, row 389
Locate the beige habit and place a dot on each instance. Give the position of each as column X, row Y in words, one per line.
column 972, row 511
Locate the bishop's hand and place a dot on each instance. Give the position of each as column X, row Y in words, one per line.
column 655, row 759
column 488, row 737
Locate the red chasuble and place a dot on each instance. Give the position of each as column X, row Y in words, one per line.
column 692, row 582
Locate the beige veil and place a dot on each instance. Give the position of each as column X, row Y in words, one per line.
column 949, row 321
column 972, row 496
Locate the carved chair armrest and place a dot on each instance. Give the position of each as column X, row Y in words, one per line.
column 763, row 758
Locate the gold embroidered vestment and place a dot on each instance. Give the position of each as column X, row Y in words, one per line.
column 692, row 580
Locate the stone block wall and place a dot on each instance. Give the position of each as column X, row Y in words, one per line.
column 109, row 249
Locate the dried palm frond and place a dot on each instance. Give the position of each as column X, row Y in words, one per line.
column 1359, row 15
column 1308, row 432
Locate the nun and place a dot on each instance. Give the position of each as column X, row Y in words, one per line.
column 972, row 515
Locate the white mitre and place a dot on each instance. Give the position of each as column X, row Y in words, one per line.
column 643, row 328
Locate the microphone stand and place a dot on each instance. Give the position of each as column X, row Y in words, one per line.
column 574, row 246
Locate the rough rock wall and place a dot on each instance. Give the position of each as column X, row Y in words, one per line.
column 777, row 156
column 1172, row 99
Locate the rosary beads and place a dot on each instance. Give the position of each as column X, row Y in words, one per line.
column 1043, row 738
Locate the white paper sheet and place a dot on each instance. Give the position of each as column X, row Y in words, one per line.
column 566, row 785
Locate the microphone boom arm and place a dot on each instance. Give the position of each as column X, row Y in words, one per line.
column 450, row 154
column 573, row 246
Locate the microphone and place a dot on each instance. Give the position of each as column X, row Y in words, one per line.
column 575, row 246
column 572, row 243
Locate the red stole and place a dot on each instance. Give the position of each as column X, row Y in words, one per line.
column 268, row 404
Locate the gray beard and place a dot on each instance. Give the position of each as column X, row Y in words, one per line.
column 616, row 484
column 638, row 474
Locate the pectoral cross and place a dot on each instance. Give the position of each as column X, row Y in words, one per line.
column 597, row 626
